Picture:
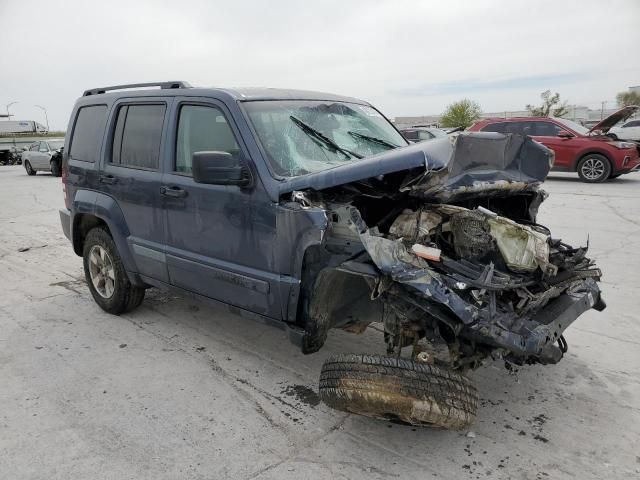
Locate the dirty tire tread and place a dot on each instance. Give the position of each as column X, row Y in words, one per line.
column 125, row 297
column 396, row 388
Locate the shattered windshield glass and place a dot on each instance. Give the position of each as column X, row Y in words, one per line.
column 303, row 136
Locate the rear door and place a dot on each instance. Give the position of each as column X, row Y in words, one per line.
column 132, row 175
column 219, row 238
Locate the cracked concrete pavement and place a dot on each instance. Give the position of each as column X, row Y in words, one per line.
column 177, row 389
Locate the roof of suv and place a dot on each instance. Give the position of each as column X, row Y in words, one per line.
column 240, row 93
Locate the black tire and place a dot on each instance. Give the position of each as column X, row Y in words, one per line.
column 398, row 389
column 30, row 171
column 594, row 168
column 56, row 171
column 125, row 297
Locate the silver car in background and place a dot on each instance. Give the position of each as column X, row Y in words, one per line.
column 44, row 156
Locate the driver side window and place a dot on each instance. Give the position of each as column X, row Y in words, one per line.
column 202, row 129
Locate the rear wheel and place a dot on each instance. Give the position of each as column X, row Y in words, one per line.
column 594, row 168
column 30, row 171
column 56, row 171
column 106, row 276
column 398, row 389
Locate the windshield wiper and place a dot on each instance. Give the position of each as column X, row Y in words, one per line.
column 312, row 132
column 376, row 140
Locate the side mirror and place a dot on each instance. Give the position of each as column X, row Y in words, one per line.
column 219, row 168
column 564, row 134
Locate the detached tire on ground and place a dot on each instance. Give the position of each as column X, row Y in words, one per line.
column 106, row 276
column 398, row 389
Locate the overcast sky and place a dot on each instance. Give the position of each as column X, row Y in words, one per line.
column 406, row 57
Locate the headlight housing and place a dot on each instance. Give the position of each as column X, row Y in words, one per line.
column 622, row 145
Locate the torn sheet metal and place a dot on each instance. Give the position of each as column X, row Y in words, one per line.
column 443, row 169
column 393, row 259
column 481, row 162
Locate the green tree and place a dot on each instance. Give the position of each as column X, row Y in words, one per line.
column 625, row 99
column 551, row 106
column 461, row 114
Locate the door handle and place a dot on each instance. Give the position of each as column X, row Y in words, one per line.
column 110, row 179
column 175, row 192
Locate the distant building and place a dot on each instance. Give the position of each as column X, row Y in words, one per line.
column 635, row 89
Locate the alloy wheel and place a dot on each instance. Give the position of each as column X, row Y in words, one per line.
column 101, row 271
column 593, row 168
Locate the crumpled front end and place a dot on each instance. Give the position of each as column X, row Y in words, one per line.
column 500, row 288
column 448, row 254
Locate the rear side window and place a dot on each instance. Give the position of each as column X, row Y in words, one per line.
column 202, row 129
column 87, row 133
column 136, row 139
column 633, row 123
column 495, row 127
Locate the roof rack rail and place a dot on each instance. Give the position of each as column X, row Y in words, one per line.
column 162, row 85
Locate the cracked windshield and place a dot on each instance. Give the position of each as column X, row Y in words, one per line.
column 302, row 137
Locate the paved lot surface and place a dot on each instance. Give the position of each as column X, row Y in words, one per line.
column 180, row 390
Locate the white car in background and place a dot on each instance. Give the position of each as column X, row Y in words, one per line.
column 628, row 131
column 44, row 156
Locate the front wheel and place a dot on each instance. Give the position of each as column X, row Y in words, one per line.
column 106, row 276
column 594, row 168
column 30, row 171
column 393, row 388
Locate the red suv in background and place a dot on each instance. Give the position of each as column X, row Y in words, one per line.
column 590, row 152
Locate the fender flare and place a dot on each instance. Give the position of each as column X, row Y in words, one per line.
column 105, row 208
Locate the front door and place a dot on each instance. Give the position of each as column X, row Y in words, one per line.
column 565, row 149
column 40, row 157
column 132, row 174
column 219, row 239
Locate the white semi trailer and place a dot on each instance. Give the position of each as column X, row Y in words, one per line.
column 21, row 126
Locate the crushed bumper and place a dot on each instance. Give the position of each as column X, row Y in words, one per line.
column 548, row 325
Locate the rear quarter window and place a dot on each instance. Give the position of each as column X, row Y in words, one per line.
column 88, row 132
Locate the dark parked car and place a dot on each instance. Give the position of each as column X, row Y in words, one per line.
column 310, row 211
column 591, row 153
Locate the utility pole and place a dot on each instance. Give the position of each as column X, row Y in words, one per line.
column 46, row 117
column 602, row 110
column 8, row 114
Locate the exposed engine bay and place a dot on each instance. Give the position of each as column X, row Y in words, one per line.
column 448, row 254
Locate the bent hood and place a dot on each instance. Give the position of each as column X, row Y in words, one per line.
column 442, row 168
column 612, row 120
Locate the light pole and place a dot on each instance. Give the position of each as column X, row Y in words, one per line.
column 8, row 105
column 45, row 115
